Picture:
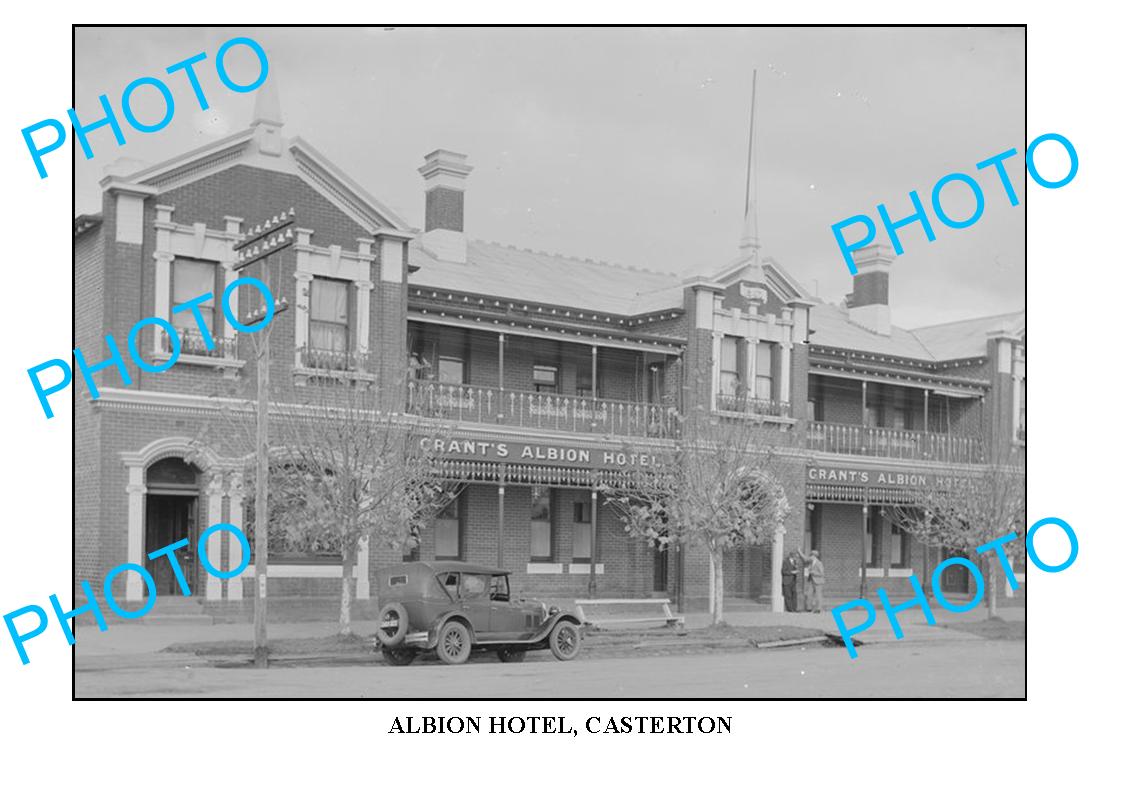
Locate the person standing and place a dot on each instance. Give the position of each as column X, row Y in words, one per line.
column 790, row 573
column 816, row 577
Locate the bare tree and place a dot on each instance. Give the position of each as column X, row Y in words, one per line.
column 346, row 470
column 966, row 510
column 720, row 486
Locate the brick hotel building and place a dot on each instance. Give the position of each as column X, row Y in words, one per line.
column 544, row 366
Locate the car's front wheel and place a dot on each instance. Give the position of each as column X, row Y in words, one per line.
column 399, row 656
column 565, row 640
column 511, row 655
column 454, row 644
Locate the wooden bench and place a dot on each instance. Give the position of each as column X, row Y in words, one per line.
column 665, row 616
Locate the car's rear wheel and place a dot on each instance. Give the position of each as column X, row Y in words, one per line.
column 393, row 624
column 512, row 654
column 399, row 656
column 454, row 644
column 565, row 640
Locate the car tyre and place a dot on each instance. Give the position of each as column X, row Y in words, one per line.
column 454, row 642
column 565, row 640
column 511, row 655
column 395, row 616
column 399, row 656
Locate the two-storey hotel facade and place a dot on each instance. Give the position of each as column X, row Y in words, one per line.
column 544, row 372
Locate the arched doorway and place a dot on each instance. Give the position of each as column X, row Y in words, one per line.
column 171, row 514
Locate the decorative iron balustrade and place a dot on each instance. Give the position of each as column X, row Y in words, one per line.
column 893, row 443
column 191, row 342
column 753, row 406
column 333, row 360
column 465, row 402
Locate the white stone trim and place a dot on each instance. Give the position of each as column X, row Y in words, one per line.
column 874, row 572
column 583, row 569
column 214, row 492
column 544, row 568
column 391, row 257
column 196, row 242
column 134, row 584
column 363, row 290
column 900, row 573
column 298, row 571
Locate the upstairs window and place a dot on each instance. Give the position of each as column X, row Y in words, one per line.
column 763, row 382
column 730, row 370
column 191, row 279
column 329, row 324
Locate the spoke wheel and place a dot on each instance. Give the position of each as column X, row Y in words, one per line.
column 565, row 640
column 454, row 644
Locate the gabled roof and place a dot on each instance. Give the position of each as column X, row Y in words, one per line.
column 968, row 338
column 522, row 275
column 296, row 157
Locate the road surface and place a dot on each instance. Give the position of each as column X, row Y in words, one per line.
column 899, row 669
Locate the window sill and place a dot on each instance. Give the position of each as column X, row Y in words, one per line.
column 544, row 568
column 583, row 569
column 229, row 365
column 791, row 421
column 301, row 375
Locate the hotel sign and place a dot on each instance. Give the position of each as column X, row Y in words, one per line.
column 587, row 456
column 866, row 476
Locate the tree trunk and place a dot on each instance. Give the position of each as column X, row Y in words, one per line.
column 992, row 594
column 777, row 589
column 712, row 604
column 345, row 594
column 716, row 559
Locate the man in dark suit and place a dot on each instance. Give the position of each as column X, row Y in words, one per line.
column 790, row 572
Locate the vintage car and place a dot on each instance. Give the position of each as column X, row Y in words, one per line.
column 454, row 607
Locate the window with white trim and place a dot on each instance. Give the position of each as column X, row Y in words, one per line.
column 329, row 324
column 191, row 279
column 730, row 368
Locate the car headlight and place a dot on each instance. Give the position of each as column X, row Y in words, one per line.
column 553, row 610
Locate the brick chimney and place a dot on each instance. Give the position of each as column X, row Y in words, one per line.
column 869, row 303
column 446, row 174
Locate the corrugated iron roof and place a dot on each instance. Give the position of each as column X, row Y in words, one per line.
column 508, row 272
column 940, row 343
column 967, row 338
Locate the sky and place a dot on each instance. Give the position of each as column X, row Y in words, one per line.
column 630, row 144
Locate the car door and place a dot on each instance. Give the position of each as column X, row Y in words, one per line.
column 474, row 602
column 506, row 618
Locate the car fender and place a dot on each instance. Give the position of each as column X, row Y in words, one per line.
column 547, row 626
column 444, row 619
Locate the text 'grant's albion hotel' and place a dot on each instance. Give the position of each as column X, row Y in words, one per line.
column 546, row 369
